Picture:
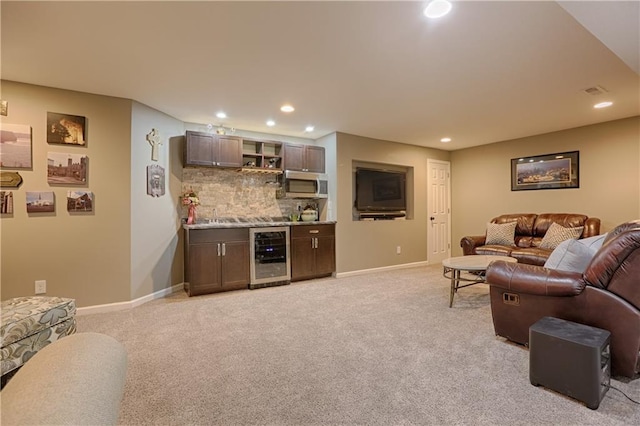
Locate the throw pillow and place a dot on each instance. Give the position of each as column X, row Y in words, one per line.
column 557, row 234
column 594, row 243
column 570, row 255
column 501, row 233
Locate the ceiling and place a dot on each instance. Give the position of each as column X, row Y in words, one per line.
column 487, row 72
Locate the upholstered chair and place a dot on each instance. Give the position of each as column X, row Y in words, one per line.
column 606, row 295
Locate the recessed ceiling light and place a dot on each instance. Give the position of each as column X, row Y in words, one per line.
column 445, row 140
column 271, row 123
column 437, row 9
column 221, row 114
column 603, row 104
column 309, row 129
column 287, row 108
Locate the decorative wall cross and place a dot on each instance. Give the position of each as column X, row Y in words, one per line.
column 154, row 140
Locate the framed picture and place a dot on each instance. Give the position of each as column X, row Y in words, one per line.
column 66, row 129
column 155, row 180
column 4, row 107
column 15, row 146
column 79, row 201
column 550, row 171
column 40, row 202
column 6, row 202
column 66, row 169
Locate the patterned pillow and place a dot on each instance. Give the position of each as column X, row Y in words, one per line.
column 557, row 234
column 501, row 233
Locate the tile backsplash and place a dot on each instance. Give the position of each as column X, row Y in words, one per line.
column 235, row 194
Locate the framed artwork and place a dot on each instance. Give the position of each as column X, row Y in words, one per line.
column 155, row 180
column 549, row 171
column 6, row 202
column 15, row 146
column 40, row 202
column 79, row 201
column 66, row 169
column 4, row 107
column 66, row 129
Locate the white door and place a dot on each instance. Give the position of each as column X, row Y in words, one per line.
column 438, row 210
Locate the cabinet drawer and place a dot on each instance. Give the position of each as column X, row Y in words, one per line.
column 197, row 236
column 319, row 230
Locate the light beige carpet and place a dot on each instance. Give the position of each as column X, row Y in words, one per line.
column 376, row 349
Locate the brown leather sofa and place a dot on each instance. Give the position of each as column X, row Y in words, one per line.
column 606, row 295
column 530, row 230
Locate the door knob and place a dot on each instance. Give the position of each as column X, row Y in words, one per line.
column 432, row 218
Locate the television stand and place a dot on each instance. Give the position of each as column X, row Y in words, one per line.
column 382, row 215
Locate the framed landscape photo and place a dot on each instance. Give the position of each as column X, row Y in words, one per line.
column 40, row 202
column 79, row 201
column 15, row 146
column 549, row 171
column 66, row 129
column 66, row 169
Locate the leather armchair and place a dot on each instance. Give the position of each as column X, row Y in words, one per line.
column 606, row 295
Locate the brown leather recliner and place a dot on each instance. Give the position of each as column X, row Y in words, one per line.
column 606, row 295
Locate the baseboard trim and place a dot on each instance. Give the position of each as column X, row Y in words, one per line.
column 119, row 306
column 110, row 307
column 381, row 269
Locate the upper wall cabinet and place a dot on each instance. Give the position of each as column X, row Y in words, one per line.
column 304, row 158
column 206, row 149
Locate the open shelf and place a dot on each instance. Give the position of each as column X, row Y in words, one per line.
column 262, row 155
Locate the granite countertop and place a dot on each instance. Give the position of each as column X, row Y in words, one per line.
column 235, row 224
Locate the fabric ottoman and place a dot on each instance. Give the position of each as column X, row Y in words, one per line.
column 31, row 323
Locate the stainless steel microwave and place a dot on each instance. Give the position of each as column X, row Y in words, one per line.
column 303, row 185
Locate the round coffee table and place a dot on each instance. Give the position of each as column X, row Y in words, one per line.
column 474, row 264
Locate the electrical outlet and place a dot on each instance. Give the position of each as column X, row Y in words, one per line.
column 41, row 286
column 398, row 250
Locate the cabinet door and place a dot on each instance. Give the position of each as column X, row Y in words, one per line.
column 302, row 258
column 229, row 153
column 235, row 265
column 204, row 269
column 314, row 159
column 199, row 149
column 325, row 256
column 294, row 157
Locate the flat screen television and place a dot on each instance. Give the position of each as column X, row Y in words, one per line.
column 380, row 190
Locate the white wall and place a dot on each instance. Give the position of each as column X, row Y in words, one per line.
column 330, row 207
column 156, row 232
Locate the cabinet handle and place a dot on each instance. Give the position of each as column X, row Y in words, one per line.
column 313, row 243
column 218, row 249
column 224, row 249
column 316, row 243
column 314, row 231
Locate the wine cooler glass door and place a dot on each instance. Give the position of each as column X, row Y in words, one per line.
column 270, row 255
